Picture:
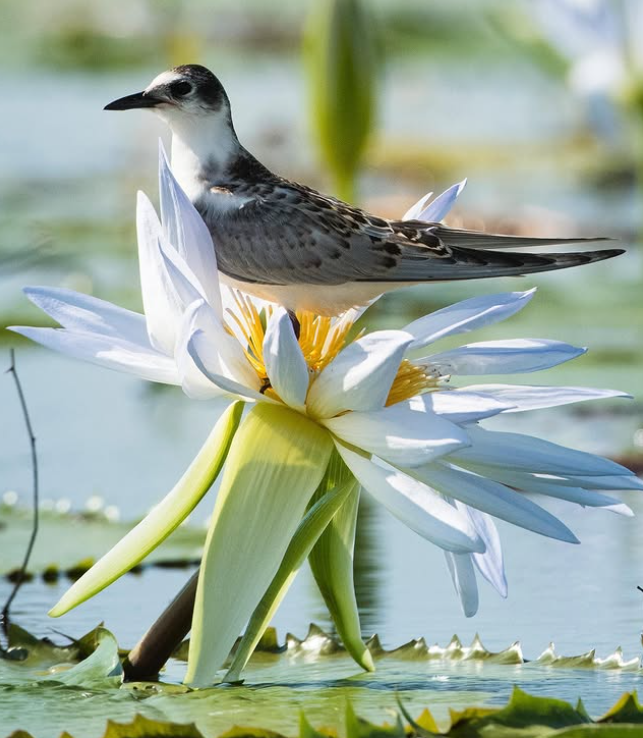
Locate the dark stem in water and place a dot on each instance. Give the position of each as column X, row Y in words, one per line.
column 4, row 617
column 149, row 655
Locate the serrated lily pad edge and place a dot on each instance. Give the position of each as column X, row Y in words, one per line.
column 524, row 714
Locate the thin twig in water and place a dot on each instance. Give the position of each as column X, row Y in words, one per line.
column 4, row 617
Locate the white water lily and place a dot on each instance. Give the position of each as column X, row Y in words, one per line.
column 331, row 413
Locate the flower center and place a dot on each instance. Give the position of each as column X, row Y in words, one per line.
column 320, row 339
column 409, row 381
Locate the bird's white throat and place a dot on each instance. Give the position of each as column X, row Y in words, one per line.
column 203, row 145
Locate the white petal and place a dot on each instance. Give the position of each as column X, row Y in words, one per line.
column 162, row 305
column 414, row 212
column 602, row 482
column 490, row 563
column 80, row 312
column 106, row 351
column 360, row 376
column 513, row 356
column 284, row 362
column 493, row 498
column 466, row 316
column 551, row 487
column 401, row 434
column 464, row 580
column 195, row 383
column 186, row 231
column 438, row 209
column 525, row 397
column 492, row 449
column 412, row 502
column 616, row 481
column 199, row 348
column 219, row 351
column 463, row 406
column 184, row 281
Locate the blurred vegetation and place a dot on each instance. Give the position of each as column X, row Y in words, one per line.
column 341, row 50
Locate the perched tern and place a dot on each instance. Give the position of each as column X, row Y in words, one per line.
column 287, row 243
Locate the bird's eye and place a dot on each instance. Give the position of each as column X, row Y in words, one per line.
column 180, row 89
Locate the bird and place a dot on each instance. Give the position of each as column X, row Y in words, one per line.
column 289, row 244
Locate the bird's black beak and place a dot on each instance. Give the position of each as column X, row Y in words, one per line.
column 137, row 100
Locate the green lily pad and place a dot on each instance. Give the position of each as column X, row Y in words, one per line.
column 46, row 688
column 62, row 536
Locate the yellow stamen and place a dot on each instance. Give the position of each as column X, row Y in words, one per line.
column 410, row 380
column 320, row 341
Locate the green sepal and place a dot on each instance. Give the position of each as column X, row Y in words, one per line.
column 275, row 465
column 310, row 529
column 331, row 561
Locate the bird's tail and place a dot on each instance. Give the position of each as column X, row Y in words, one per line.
column 475, row 263
column 456, row 237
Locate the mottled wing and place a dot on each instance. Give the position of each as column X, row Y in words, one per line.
column 288, row 234
column 293, row 235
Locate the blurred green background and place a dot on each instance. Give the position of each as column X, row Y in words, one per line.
column 379, row 102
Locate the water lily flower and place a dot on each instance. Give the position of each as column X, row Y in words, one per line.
column 331, row 413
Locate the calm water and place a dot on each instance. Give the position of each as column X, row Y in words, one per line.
column 68, row 181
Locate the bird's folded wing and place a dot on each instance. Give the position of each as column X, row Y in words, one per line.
column 297, row 236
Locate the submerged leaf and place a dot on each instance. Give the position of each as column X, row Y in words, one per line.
column 68, row 540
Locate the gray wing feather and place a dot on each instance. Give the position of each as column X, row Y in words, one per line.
column 288, row 234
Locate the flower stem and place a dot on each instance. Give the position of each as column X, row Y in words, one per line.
column 149, row 655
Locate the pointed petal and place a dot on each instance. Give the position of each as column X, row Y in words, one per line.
column 217, row 350
column 162, row 306
column 198, row 347
column 275, row 465
column 492, row 449
column 627, row 480
column 525, row 397
column 490, row 563
column 284, row 362
column 415, row 211
column 494, row 499
column 195, row 384
column 464, row 580
column 435, row 211
column 162, row 520
column 463, row 406
column 306, row 536
column 184, row 281
column 105, row 351
column 403, row 434
column 80, row 312
column 513, row 356
column 360, row 376
column 415, row 504
column 551, row 487
column 186, row 231
column 466, row 316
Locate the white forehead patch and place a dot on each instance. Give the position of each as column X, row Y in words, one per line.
column 163, row 79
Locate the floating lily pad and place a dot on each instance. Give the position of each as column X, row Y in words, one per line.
column 46, row 688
